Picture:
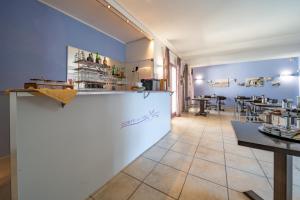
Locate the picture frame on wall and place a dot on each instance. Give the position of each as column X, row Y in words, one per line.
column 219, row 83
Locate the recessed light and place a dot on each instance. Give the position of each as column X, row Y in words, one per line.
column 141, row 31
column 108, row 6
column 127, row 21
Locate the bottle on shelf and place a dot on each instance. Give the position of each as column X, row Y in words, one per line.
column 104, row 62
column 76, row 57
column 82, row 56
column 92, row 57
column 117, row 71
column 113, row 70
column 97, row 58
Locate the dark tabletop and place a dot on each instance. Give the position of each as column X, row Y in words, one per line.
column 266, row 105
column 201, row 99
column 248, row 135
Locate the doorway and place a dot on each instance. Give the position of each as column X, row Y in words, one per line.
column 174, row 89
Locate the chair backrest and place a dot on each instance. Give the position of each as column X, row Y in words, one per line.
column 221, row 98
column 273, row 100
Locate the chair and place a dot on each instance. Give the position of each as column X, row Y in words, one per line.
column 189, row 103
column 220, row 102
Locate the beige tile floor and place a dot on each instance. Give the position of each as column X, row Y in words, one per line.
column 198, row 160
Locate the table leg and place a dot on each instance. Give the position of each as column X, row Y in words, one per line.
column 283, row 176
column 252, row 195
column 202, row 108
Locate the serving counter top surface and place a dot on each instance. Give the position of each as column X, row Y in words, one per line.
column 95, row 92
column 27, row 92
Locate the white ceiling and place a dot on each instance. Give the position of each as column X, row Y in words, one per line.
column 206, row 31
column 97, row 16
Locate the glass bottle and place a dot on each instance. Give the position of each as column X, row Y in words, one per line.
column 97, row 58
column 104, row 61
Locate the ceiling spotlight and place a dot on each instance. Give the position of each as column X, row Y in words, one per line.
column 141, row 31
column 127, row 21
column 108, row 6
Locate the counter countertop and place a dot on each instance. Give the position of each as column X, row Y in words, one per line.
column 26, row 92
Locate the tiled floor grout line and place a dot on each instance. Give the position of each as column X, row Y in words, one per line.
column 191, row 164
column 190, row 173
column 266, row 176
column 221, row 126
column 142, row 182
column 134, row 191
column 156, row 164
column 159, row 162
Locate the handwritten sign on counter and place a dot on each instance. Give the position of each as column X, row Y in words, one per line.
column 147, row 117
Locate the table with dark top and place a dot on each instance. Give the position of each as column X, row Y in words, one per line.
column 265, row 105
column 202, row 102
column 248, row 135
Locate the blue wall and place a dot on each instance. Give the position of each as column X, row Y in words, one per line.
column 288, row 88
column 34, row 39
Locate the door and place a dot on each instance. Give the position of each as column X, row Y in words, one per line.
column 174, row 89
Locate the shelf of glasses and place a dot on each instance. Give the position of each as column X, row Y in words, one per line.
column 100, row 82
column 92, row 64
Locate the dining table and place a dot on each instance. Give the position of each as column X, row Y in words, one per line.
column 202, row 105
column 248, row 135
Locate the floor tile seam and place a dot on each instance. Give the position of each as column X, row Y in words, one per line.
column 245, row 171
column 134, row 191
column 214, row 162
column 238, row 155
column 262, row 168
column 210, row 148
column 242, row 157
column 190, row 165
column 189, row 174
column 226, row 173
column 173, row 168
column 156, row 164
column 187, row 142
column 143, row 182
column 181, row 152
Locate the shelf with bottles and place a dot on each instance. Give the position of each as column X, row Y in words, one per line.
column 86, row 72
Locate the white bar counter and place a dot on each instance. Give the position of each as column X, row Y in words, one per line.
column 67, row 153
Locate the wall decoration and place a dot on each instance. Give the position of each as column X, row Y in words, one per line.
column 268, row 78
column 241, row 84
column 147, row 117
column 255, row 82
column 219, row 83
column 276, row 83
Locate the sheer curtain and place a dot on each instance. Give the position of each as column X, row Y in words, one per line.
column 166, row 65
column 173, row 64
column 179, row 87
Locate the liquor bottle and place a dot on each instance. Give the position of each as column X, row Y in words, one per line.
column 82, row 56
column 89, row 58
column 97, row 57
column 117, row 71
column 104, row 61
column 92, row 57
column 113, row 70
